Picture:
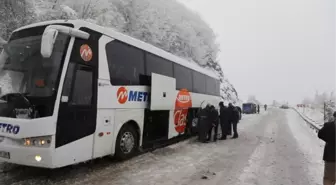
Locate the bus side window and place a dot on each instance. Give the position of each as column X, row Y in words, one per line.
column 82, row 91
column 126, row 63
column 77, row 88
column 183, row 77
column 199, row 82
column 211, row 87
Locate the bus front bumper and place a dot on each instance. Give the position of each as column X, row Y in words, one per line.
column 26, row 156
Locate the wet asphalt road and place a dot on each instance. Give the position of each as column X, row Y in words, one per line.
column 274, row 148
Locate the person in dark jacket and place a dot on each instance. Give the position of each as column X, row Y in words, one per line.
column 203, row 124
column 234, row 119
column 224, row 120
column 327, row 134
column 240, row 112
column 258, row 108
column 214, row 123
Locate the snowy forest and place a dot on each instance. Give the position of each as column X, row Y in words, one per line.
column 166, row 24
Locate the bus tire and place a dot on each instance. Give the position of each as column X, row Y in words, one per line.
column 127, row 143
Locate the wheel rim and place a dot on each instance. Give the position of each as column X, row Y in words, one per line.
column 127, row 142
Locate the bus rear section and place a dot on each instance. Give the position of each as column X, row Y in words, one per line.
column 249, row 108
column 76, row 92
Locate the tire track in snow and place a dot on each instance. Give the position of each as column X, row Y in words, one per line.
column 254, row 172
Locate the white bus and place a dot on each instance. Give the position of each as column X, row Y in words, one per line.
column 77, row 91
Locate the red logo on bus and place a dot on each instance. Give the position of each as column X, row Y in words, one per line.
column 86, row 52
column 182, row 104
column 122, row 95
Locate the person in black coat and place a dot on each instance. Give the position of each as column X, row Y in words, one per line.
column 240, row 112
column 327, row 134
column 234, row 119
column 258, row 108
column 214, row 123
column 224, row 120
column 204, row 122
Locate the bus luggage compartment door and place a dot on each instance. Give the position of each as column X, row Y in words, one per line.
column 163, row 92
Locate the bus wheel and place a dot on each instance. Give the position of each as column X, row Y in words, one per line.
column 127, row 143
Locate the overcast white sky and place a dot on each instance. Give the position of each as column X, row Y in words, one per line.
column 274, row 49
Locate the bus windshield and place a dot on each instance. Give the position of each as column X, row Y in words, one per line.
column 23, row 69
column 29, row 82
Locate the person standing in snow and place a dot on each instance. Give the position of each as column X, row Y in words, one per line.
column 240, row 112
column 203, row 124
column 224, row 120
column 327, row 134
column 258, row 108
column 265, row 106
column 234, row 119
column 214, row 123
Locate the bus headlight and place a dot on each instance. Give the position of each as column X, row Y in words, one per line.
column 37, row 141
column 38, row 158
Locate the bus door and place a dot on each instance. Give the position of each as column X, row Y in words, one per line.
column 78, row 110
column 77, row 117
column 163, row 92
column 162, row 102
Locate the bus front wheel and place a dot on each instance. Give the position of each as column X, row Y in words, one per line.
column 127, row 143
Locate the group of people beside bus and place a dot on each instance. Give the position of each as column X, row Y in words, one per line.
column 209, row 119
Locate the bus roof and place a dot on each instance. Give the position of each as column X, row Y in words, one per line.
column 129, row 40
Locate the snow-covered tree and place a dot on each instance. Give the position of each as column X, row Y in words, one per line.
column 13, row 14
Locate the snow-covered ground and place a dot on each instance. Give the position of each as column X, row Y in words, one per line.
column 275, row 147
column 315, row 115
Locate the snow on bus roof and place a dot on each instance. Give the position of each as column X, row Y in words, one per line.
column 131, row 41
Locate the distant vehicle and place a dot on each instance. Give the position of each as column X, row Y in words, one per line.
column 284, row 106
column 249, row 108
column 81, row 91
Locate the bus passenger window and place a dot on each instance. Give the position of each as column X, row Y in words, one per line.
column 199, row 81
column 126, row 63
column 158, row 65
column 211, row 86
column 183, row 77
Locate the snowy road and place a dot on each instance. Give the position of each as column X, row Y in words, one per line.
column 274, row 148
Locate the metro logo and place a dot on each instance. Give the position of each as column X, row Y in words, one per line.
column 132, row 96
column 122, row 95
column 9, row 128
column 86, row 52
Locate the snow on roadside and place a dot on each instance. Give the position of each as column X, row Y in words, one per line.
column 316, row 115
column 309, row 143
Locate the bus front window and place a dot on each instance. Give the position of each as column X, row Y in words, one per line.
column 26, row 75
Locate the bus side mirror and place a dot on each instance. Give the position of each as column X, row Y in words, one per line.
column 48, row 40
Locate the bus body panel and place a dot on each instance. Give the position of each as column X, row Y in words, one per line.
column 104, row 135
column 104, row 73
column 26, row 155
column 74, row 152
column 23, row 128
